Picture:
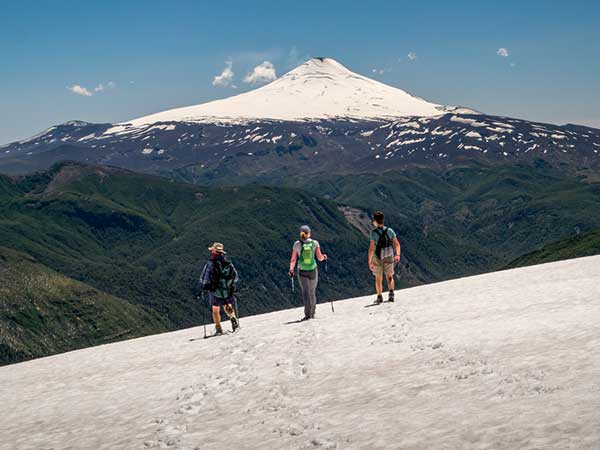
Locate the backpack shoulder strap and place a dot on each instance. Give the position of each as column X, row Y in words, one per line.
column 220, row 266
column 380, row 242
column 303, row 243
column 382, row 232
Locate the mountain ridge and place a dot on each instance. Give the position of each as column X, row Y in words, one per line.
column 279, row 147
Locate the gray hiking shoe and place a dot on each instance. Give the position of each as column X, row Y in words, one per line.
column 391, row 296
column 379, row 299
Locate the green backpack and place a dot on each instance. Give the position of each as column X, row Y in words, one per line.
column 307, row 259
column 225, row 286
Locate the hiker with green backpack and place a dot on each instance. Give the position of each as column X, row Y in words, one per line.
column 306, row 252
column 219, row 278
column 383, row 243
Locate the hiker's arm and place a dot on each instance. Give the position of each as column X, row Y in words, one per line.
column 293, row 262
column 203, row 280
column 397, row 247
column 198, row 287
column 371, row 253
column 320, row 256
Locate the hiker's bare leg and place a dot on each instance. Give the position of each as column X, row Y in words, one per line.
column 216, row 311
column 390, row 282
column 379, row 283
column 229, row 311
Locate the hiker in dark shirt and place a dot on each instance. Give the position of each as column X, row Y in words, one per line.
column 218, row 279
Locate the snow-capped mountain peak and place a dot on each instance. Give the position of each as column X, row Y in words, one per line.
column 321, row 88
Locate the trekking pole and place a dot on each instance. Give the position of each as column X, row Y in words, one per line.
column 327, row 276
column 292, row 278
column 235, row 303
column 203, row 314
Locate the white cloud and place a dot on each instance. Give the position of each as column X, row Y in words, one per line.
column 502, row 52
column 263, row 73
column 226, row 76
column 102, row 87
column 79, row 90
column 412, row 56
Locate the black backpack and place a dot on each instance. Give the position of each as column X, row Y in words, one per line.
column 384, row 240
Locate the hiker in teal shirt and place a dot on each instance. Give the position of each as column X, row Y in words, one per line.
column 381, row 255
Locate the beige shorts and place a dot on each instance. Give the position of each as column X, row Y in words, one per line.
column 383, row 266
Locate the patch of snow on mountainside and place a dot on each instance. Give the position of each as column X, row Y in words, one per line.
column 37, row 136
column 499, row 361
column 320, row 88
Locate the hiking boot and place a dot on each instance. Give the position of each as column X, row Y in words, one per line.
column 391, row 296
column 379, row 299
column 218, row 330
column 304, row 318
column 234, row 323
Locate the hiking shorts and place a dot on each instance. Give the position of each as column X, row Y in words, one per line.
column 216, row 301
column 385, row 265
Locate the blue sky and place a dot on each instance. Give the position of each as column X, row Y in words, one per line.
column 138, row 57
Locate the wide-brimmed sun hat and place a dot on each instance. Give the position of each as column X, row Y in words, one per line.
column 217, row 247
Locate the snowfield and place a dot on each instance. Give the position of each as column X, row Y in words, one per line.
column 507, row 360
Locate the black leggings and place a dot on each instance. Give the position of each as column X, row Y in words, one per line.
column 308, row 286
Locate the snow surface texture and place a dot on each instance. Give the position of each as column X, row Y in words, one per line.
column 507, row 360
column 318, row 89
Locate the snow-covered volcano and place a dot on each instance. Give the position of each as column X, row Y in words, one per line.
column 501, row 361
column 320, row 118
column 321, row 88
